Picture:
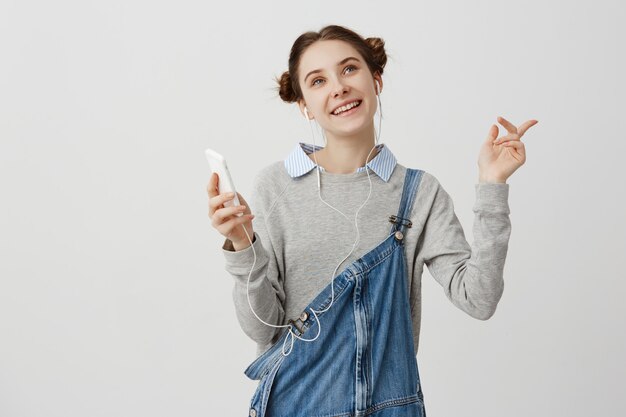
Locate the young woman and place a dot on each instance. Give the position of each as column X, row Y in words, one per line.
column 345, row 344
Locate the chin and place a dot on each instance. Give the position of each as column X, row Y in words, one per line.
column 352, row 124
column 350, row 130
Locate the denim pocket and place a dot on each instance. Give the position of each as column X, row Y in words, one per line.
column 261, row 395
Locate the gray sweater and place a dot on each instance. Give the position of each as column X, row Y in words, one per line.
column 299, row 241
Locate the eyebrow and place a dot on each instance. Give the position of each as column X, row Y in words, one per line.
column 343, row 61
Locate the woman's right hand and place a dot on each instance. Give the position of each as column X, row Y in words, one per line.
column 225, row 219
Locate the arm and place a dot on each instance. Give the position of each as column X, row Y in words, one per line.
column 265, row 288
column 472, row 277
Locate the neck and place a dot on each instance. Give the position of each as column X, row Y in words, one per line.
column 345, row 154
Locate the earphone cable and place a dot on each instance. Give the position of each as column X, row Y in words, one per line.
column 332, row 287
column 315, row 312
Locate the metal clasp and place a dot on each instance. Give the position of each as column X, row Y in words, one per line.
column 401, row 220
column 296, row 325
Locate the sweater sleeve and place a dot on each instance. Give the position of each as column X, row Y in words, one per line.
column 472, row 277
column 266, row 285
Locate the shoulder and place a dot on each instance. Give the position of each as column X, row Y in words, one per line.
column 270, row 182
column 273, row 177
column 429, row 195
column 428, row 182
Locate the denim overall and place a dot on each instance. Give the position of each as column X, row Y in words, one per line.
column 363, row 362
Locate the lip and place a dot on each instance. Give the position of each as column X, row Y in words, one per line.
column 346, row 102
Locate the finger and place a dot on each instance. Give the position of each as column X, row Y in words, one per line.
column 506, row 138
column 526, row 125
column 212, row 187
column 492, row 134
column 507, row 125
column 517, row 147
column 222, row 213
column 517, row 144
column 227, row 228
column 217, row 202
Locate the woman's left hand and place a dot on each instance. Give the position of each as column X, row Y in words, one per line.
column 499, row 158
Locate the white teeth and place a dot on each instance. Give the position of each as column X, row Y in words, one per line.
column 346, row 107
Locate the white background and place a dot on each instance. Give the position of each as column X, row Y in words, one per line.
column 114, row 300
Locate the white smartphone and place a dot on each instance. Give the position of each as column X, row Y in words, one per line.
column 217, row 163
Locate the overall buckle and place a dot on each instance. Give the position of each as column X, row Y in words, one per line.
column 400, row 220
column 297, row 323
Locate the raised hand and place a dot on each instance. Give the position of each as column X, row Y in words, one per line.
column 499, row 158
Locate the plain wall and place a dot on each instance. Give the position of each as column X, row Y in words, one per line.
column 114, row 300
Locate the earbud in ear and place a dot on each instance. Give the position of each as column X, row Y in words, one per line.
column 306, row 113
column 377, row 88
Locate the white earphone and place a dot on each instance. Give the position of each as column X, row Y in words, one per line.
column 306, row 113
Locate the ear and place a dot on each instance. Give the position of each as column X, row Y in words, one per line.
column 379, row 78
column 302, row 105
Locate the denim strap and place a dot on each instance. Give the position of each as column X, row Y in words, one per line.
column 411, row 183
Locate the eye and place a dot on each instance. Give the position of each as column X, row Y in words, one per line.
column 353, row 67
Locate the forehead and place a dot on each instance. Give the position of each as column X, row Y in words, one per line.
column 325, row 55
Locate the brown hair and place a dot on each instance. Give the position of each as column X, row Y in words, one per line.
column 371, row 49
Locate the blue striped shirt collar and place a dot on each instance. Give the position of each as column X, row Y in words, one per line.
column 298, row 162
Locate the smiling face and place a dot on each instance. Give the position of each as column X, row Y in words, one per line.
column 332, row 74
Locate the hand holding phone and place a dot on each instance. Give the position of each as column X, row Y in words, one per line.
column 226, row 212
column 218, row 165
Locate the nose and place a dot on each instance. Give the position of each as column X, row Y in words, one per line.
column 339, row 88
